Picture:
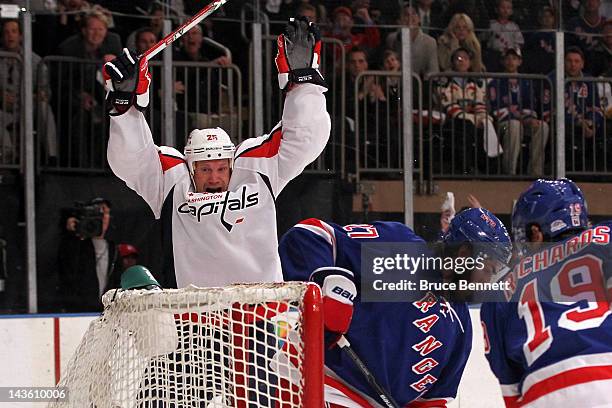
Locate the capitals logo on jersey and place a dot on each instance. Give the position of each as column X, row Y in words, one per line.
column 200, row 205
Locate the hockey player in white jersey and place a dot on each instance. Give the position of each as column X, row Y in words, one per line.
column 217, row 202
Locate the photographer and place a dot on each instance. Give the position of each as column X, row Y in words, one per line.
column 89, row 264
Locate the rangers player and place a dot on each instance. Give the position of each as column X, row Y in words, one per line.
column 417, row 351
column 217, row 202
column 551, row 344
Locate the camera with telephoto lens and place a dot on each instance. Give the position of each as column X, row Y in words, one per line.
column 89, row 218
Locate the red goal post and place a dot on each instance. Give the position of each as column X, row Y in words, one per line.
column 247, row 345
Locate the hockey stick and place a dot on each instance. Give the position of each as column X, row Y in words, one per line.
column 188, row 25
column 384, row 396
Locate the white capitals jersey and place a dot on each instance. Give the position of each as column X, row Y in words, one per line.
column 215, row 239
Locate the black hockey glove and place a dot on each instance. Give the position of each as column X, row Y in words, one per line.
column 299, row 54
column 127, row 80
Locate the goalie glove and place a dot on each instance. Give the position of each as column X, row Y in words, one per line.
column 299, row 54
column 127, row 80
column 339, row 292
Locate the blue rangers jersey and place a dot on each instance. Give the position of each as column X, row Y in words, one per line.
column 551, row 344
column 416, row 350
column 582, row 102
column 513, row 98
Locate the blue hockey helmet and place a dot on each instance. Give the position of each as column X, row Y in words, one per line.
column 556, row 206
column 483, row 230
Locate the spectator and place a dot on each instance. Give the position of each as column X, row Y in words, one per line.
column 600, row 61
column 540, row 47
column 424, row 52
column 367, row 96
column 513, row 101
column 88, row 265
column 602, row 66
column 583, row 31
column 430, row 12
column 84, row 110
column 459, row 33
column 283, row 10
column 342, row 30
column 156, row 25
column 94, row 42
column 476, row 9
column 72, row 15
column 357, row 63
column 192, row 49
column 584, row 139
column 392, row 63
column 129, row 255
column 144, row 39
column 10, row 97
column 463, row 101
column 570, row 9
column 525, row 17
column 307, row 10
column 504, row 34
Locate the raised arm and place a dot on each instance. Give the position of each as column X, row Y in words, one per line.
column 149, row 170
column 304, row 130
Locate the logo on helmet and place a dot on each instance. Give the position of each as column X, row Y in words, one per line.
column 557, row 225
column 488, row 220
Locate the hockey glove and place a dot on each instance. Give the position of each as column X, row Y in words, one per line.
column 299, row 54
column 339, row 292
column 127, row 80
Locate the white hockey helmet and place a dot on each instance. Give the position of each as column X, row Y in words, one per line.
column 208, row 144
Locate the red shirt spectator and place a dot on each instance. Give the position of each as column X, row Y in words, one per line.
column 343, row 30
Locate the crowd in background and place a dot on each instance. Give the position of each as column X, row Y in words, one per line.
column 464, row 36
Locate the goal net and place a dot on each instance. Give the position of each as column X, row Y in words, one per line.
column 255, row 345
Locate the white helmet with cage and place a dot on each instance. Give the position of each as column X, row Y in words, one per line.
column 208, row 144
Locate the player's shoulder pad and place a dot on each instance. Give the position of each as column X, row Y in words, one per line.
column 403, row 232
column 265, row 146
column 169, row 157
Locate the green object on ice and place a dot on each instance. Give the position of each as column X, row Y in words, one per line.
column 138, row 277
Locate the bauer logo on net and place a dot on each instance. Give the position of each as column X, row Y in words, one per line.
column 221, row 205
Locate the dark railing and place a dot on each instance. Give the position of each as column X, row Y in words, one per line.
column 588, row 126
column 375, row 123
column 11, row 129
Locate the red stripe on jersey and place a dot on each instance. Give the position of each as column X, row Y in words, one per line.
column 566, row 379
column 432, row 403
column 168, row 162
column 267, row 149
column 316, row 223
column 332, row 382
column 321, row 229
column 511, row 402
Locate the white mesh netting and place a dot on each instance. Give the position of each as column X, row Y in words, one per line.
column 239, row 346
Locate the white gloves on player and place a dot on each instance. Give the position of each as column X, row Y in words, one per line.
column 339, row 292
column 299, row 54
column 127, row 80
